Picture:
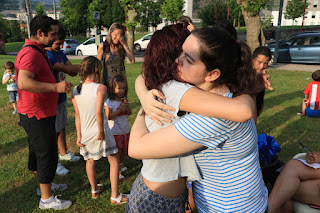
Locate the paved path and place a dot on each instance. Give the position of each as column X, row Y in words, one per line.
column 296, row 67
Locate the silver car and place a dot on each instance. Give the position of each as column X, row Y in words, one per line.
column 70, row 45
column 302, row 48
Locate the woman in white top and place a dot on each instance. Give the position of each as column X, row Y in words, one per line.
column 226, row 152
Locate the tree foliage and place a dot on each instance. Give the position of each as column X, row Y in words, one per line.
column 294, row 9
column 10, row 30
column 39, row 9
column 254, row 6
column 172, row 9
column 110, row 12
column 149, row 13
column 208, row 12
column 76, row 17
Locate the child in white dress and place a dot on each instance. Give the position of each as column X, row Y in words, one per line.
column 93, row 134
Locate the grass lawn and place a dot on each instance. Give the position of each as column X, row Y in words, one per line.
column 18, row 188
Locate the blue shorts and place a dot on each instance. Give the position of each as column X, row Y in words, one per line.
column 13, row 96
column 312, row 113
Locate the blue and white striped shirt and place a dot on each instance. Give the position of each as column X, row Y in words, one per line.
column 229, row 164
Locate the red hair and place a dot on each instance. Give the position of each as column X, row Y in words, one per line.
column 165, row 46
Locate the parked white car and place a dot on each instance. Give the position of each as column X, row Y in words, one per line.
column 88, row 47
column 142, row 43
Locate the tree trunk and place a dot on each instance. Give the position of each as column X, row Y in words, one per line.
column 255, row 36
column 132, row 14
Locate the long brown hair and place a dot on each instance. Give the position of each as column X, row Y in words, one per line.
column 90, row 65
column 113, row 27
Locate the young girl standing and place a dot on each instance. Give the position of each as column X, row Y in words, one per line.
column 117, row 109
column 93, row 134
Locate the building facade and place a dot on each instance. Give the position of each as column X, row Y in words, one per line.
column 312, row 14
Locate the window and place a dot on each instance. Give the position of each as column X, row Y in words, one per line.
column 91, row 41
column 298, row 41
column 315, row 3
column 315, row 40
column 313, row 15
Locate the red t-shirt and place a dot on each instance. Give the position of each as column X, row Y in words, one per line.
column 41, row 105
column 313, row 91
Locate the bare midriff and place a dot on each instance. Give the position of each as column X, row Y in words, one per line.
column 171, row 189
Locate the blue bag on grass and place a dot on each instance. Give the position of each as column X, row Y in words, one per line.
column 268, row 149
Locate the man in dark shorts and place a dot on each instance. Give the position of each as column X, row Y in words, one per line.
column 38, row 92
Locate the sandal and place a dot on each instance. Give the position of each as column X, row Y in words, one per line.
column 121, row 177
column 123, row 168
column 123, row 198
column 98, row 191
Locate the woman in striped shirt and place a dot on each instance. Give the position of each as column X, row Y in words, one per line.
column 226, row 152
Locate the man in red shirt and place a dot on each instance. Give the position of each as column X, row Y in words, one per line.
column 38, row 92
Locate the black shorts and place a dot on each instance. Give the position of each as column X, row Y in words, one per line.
column 43, row 150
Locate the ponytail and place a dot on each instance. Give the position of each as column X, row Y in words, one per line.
column 79, row 87
column 246, row 76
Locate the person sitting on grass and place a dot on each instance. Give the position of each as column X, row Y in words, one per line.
column 310, row 104
column 9, row 78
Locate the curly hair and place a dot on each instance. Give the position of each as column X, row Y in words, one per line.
column 90, row 66
column 165, row 46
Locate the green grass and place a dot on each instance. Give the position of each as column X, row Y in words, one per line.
column 14, row 46
column 18, row 188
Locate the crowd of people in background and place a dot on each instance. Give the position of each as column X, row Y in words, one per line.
column 201, row 92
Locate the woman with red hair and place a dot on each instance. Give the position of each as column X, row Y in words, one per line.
column 161, row 186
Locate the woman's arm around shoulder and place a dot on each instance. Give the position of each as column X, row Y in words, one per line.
column 239, row 109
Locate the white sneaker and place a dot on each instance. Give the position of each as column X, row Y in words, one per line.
column 69, row 156
column 61, row 170
column 54, row 188
column 55, row 204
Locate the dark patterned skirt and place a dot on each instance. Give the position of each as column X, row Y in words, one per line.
column 144, row 200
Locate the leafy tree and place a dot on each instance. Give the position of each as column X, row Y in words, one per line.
column 208, row 13
column 149, row 13
column 76, row 15
column 294, row 9
column 172, row 9
column 130, row 7
column 250, row 11
column 110, row 12
column 235, row 13
column 39, row 9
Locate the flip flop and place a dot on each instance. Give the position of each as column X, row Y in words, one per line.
column 98, row 191
column 119, row 200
